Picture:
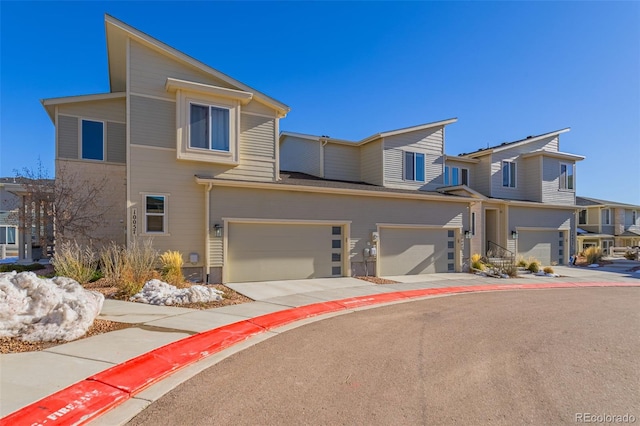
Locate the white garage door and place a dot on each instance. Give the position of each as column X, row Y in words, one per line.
column 405, row 251
column 545, row 246
column 263, row 252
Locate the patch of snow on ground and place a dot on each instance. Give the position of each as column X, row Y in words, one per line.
column 156, row 292
column 42, row 309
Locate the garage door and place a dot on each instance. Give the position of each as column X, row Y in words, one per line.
column 546, row 246
column 263, row 252
column 414, row 251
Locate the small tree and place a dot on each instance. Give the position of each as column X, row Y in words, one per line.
column 68, row 207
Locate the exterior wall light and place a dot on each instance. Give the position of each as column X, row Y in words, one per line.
column 468, row 235
column 514, row 235
column 217, row 230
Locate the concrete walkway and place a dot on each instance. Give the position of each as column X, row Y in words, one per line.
column 28, row 377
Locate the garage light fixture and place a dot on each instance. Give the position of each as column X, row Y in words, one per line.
column 514, row 235
column 468, row 235
column 217, row 230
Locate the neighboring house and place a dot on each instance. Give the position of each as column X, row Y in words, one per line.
column 9, row 205
column 194, row 158
column 607, row 224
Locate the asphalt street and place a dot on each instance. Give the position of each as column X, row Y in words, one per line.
column 516, row 357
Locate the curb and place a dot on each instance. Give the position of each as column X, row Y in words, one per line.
column 95, row 395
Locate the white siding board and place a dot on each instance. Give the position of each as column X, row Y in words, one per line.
column 149, row 70
column 341, row 162
column 551, row 192
column 257, row 136
column 371, row 169
column 116, row 142
column 531, row 184
column 67, row 142
column 107, row 109
column 300, row 155
column 427, row 141
column 153, row 122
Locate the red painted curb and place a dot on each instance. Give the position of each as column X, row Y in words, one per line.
column 77, row 404
column 87, row 399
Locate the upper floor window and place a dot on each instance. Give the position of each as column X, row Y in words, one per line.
column 92, row 144
column 414, row 166
column 566, row 176
column 155, row 214
column 606, row 216
column 582, row 217
column 509, row 174
column 634, row 217
column 7, row 234
column 456, row 176
column 209, row 127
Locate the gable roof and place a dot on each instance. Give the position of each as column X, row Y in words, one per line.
column 507, row 145
column 372, row 137
column 589, row 202
column 117, row 34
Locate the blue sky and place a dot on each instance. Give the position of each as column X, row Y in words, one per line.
column 505, row 69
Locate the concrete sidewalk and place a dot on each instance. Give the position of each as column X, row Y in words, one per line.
column 29, row 377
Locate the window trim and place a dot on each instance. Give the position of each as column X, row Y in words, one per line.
column 165, row 215
column 608, row 222
column 586, row 217
column 513, row 173
column 209, row 142
column 634, row 217
column 564, row 181
column 6, row 234
column 81, row 121
column 448, row 175
column 415, row 168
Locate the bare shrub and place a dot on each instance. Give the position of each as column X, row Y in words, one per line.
column 76, row 262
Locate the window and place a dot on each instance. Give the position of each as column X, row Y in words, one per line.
column 509, row 174
column 155, row 209
column 606, row 216
column 7, row 234
column 582, row 217
column 92, row 144
column 209, row 127
column 456, row 176
column 414, row 166
column 473, row 223
column 566, row 176
column 634, row 217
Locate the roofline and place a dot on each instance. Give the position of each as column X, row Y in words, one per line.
column 372, row 137
column 51, row 102
column 600, row 203
column 554, row 154
column 328, row 190
column 283, row 109
column 461, row 159
column 508, row 145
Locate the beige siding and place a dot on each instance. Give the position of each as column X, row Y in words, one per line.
column 300, row 155
column 215, row 248
column 108, row 109
column 257, row 136
column 513, row 154
column 150, row 69
column 531, row 185
column 112, row 196
column 364, row 212
column 371, row 169
column 153, row 122
column 258, row 108
column 482, row 176
column 428, row 141
column 551, row 192
column 67, row 137
column 342, row 162
column 116, row 142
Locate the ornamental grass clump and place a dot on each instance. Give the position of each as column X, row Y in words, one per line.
column 476, row 262
column 593, row 255
column 129, row 268
column 76, row 262
column 534, row 266
column 172, row 263
column 548, row 270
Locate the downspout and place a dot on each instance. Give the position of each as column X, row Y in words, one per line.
column 207, row 260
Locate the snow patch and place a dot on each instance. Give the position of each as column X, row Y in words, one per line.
column 156, row 292
column 41, row 309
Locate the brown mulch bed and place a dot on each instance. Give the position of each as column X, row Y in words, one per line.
column 376, row 280
column 14, row 345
